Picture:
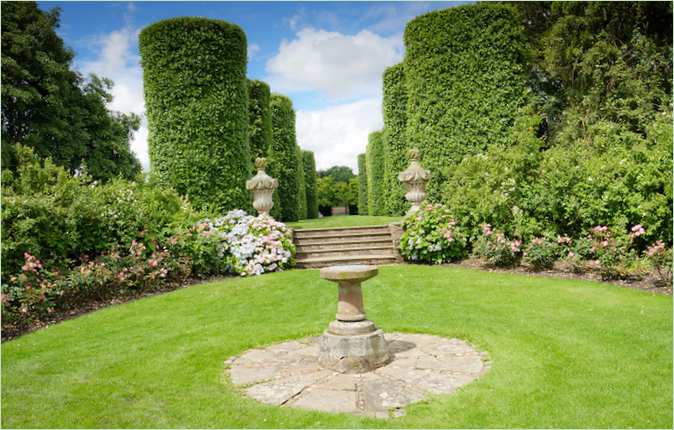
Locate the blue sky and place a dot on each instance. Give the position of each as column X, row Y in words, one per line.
column 328, row 57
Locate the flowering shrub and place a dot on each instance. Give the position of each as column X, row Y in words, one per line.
column 431, row 235
column 541, row 253
column 256, row 244
column 613, row 256
column 495, row 247
column 661, row 260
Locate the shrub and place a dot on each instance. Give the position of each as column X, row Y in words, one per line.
column 257, row 244
column 394, row 107
column 612, row 254
column 661, row 260
column 260, row 119
column 283, row 160
column 375, row 174
column 362, row 185
column 465, row 80
column 497, row 248
column 309, row 164
column 432, row 236
column 540, row 253
column 302, row 184
column 196, row 96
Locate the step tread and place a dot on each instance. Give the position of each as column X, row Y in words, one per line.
column 326, row 250
column 347, row 258
column 330, row 236
column 343, row 242
column 301, row 230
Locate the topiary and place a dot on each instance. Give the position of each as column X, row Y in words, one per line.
column 196, row 96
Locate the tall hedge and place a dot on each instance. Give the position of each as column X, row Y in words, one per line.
column 302, row 182
column 309, row 164
column 196, row 97
column 362, row 185
column 283, row 159
column 395, row 146
column 375, row 174
column 465, row 77
column 260, row 118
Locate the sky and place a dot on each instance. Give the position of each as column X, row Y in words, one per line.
column 328, row 57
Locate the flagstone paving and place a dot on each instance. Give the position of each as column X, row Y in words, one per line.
column 288, row 375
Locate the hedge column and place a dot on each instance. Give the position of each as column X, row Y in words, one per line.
column 394, row 108
column 283, row 159
column 309, row 164
column 196, row 96
column 465, row 80
column 375, row 174
column 362, row 185
column 260, row 118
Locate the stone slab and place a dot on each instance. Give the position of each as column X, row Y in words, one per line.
column 383, row 394
column 440, row 383
column 405, row 374
column 341, row 382
column 328, row 401
column 254, row 374
column 281, row 390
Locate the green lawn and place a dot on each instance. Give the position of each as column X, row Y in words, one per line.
column 344, row 221
column 566, row 354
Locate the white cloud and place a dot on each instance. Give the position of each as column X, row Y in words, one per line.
column 116, row 61
column 338, row 134
column 252, row 49
column 341, row 66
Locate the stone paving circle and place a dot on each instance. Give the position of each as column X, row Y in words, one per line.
column 288, row 375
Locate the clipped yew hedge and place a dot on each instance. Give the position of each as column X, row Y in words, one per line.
column 375, row 174
column 362, row 185
column 284, row 162
column 196, row 97
column 302, row 182
column 260, row 118
column 465, row 80
column 395, row 146
column 309, row 164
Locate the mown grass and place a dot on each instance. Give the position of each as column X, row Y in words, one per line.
column 344, row 221
column 566, row 354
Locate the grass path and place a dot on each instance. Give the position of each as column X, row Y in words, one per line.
column 566, row 354
column 343, row 221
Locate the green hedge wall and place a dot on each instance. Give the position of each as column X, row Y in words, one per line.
column 196, row 97
column 362, row 185
column 395, row 146
column 465, row 77
column 302, row 182
column 309, row 164
column 260, row 118
column 283, row 160
column 375, row 174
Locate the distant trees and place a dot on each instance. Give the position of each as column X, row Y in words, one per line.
column 53, row 109
column 333, row 192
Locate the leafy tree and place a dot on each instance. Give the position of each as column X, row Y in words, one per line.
column 338, row 173
column 325, row 195
column 50, row 108
column 260, row 118
column 376, row 192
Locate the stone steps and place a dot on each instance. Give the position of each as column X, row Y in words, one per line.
column 324, row 247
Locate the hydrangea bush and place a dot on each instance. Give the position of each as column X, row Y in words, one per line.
column 256, row 244
column 431, row 235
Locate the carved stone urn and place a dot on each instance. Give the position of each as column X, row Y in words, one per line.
column 262, row 187
column 414, row 178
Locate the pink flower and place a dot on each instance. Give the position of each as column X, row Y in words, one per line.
column 604, row 243
column 597, row 262
column 571, row 254
column 24, row 310
column 49, row 311
column 593, row 249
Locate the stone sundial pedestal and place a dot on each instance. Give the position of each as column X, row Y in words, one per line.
column 352, row 344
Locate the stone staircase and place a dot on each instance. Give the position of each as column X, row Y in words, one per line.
column 324, row 247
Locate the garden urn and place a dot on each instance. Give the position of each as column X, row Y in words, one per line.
column 262, row 187
column 414, row 178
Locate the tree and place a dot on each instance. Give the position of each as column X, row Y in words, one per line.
column 49, row 107
column 338, row 173
column 362, row 185
column 325, row 195
column 309, row 163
